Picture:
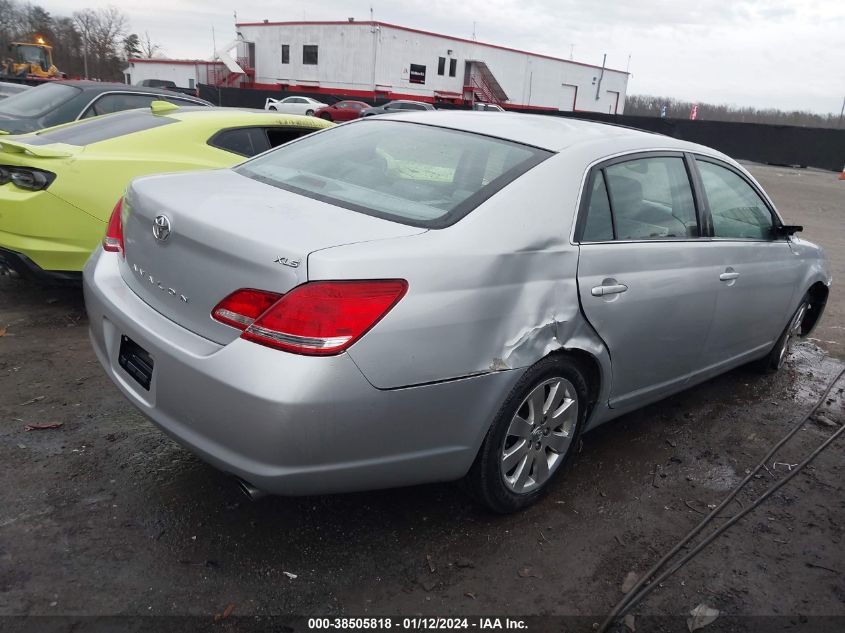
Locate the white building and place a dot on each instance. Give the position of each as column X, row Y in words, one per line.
column 185, row 73
column 367, row 59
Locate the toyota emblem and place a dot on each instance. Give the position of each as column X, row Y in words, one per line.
column 161, row 228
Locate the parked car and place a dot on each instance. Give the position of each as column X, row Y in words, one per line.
column 457, row 299
column 8, row 88
column 487, row 107
column 58, row 186
column 394, row 107
column 295, row 105
column 60, row 102
column 342, row 111
column 167, row 84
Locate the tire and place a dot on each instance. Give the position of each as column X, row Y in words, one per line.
column 326, row 116
column 309, row 113
column 508, row 474
column 775, row 359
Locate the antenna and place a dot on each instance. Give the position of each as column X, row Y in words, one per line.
column 628, row 66
column 572, row 51
column 473, row 30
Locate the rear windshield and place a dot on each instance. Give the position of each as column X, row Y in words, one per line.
column 35, row 102
column 101, row 128
column 410, row 173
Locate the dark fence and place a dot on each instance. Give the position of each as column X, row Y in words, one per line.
column 772, row 144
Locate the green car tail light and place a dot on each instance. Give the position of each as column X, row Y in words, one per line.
column 26, row 177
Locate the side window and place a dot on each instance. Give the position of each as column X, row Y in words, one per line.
column 244, row 141
column 182, row 102
column 309, row 54
column 280, row 135
column 453, row 66
column 441, row 65
column 651, row 198
column 286, row 53
column 599, row 224
column 737, row 210
column 119, row 102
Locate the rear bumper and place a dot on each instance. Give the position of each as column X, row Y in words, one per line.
column 28, row 269
column 288, row 424
column 50, row 233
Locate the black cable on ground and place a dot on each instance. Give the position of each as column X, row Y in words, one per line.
column 637, row 593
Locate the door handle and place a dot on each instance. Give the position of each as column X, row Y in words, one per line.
column 611, row 289
column 728, row 275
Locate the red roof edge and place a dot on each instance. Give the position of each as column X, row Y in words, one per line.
column 187, row 62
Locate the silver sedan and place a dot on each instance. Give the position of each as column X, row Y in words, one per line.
column 435, row 296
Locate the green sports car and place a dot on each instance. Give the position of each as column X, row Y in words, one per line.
column 59, row 186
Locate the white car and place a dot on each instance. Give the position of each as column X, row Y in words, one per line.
column 294, row 105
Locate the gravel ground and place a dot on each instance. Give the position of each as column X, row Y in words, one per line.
column 105, row 515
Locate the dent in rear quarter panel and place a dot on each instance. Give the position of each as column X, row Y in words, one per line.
column 494, row 292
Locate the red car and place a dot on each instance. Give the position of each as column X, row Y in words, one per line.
column 342, row 111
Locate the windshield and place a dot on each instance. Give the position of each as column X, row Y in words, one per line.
column 34, row 55
column 33, row 103
column 414, row 174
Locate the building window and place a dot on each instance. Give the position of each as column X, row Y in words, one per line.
column 286, row 53
column 441, row 65
column 453, row 67
column 309, row 54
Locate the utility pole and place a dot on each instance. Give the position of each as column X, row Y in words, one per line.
column 601, row 76
column 842, row 112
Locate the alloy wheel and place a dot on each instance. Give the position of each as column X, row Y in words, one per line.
column 539, row 435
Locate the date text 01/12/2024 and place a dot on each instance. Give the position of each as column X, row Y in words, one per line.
column 417, row 623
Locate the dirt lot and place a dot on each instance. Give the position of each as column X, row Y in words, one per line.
column 106, row 516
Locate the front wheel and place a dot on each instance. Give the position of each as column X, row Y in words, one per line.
column 533, row 437
column 326, row 116
column 775, row 359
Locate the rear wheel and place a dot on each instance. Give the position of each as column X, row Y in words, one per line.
column 309, row 113
column 533, row 437
column 777, row 356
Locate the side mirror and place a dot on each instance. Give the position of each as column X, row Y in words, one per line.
column 786, row 230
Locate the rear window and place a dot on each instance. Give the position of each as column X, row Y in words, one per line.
column 101, row 128
column 35, row 102
column 410, row 173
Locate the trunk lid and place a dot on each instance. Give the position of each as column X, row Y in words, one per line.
column 227, row 232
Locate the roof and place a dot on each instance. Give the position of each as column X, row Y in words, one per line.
column 431, row 33
column 543, row 131
column 243, row 116
column 106, row 86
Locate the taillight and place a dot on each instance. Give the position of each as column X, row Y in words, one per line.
column 316, row 318
column 113, row 241
column 242, row 307
column 26, row 177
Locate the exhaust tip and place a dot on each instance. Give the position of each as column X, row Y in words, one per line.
column 249, row 490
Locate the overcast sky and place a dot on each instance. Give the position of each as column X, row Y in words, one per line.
column 788, row 54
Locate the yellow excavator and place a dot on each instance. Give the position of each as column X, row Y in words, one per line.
column 30, row 60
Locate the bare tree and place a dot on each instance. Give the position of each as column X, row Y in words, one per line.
column 85, row 21
column 149, row 50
